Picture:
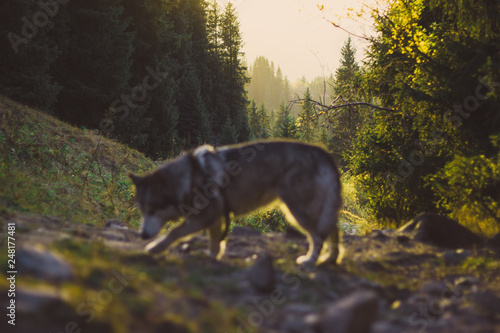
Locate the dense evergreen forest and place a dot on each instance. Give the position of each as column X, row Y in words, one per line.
column 161, row 76
column 415, row 127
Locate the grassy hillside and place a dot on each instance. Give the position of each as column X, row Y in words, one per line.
column 51, row 168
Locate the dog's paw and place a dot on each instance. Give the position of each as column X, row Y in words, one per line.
column 156, row 246
column 306, row 262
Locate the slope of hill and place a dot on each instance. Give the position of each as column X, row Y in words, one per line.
column 51, row 168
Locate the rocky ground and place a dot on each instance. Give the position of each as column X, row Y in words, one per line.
column 80, row 278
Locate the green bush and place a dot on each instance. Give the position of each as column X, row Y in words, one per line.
column 469, row 189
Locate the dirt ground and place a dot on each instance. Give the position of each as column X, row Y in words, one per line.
column 82, row 278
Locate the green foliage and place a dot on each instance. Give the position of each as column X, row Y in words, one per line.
column 435, row 64
column 259, row 121
column 229, row 134
column 345, row 123
column 286, row 124
column 265, row 221
column 468, row 187
column 306, row 119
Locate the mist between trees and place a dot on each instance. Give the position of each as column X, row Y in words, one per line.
column 425, row 58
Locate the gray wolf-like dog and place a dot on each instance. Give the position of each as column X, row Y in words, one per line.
column 206, row 185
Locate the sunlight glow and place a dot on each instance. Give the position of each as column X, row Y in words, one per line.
column 296, row 35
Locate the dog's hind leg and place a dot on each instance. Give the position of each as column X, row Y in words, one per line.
column 217, row 243
column 315, row 245
column 186, row 228
column 306, row 223
column 328, row 224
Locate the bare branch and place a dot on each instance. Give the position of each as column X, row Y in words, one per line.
column 332, row 106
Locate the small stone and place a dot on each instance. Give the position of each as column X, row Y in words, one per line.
column 466, row 281
column 455, row 257
column 379, row 235
column 352, row 314
column 261, row 275
column 185, row 248
column 43, row 264
column 402, row 239
column 115, row 224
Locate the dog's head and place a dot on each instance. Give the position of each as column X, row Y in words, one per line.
column 159, row 195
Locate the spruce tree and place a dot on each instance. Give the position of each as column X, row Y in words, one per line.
column 286, row 125
column 27, row 53
column 229, row 133
column 306, row 129
column 346, row 122
column 94, row 66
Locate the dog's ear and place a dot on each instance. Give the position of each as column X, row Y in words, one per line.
column 135, row 179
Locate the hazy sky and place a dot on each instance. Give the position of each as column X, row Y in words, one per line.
column 293, row 34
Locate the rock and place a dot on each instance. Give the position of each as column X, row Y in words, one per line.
column 379, row 235
column 441, row 231
column 185, row 248
column 261, row 275
column 493, row 242
column 245, row 231
column 43, row 264
column 297, row 318
column 115, row 224
column 402, row 239
column 455, row 257
column 37, row 302
column 352, row 314
column 487, row 303
column 465, row 282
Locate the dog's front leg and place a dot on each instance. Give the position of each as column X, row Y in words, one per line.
column 186, row 228
column 217, row 244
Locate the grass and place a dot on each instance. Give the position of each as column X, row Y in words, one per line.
column 51, row 168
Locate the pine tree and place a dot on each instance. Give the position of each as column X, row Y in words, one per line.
column 346, row 122
column 286, row 126
column 95, row 60
column 233, row 75
column 306, row 124
column 27, row 53
column 229, row 133
column 193, row 127
column 155, row 119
